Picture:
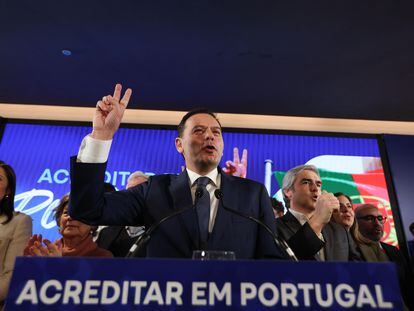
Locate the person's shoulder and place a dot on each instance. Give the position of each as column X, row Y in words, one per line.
column 21, row 217
column 335, row 227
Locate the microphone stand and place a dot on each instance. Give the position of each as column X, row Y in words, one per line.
column 280, row 243
column 146, row 236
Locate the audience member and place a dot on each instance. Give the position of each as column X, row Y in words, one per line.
column 345, row 215
column 306, row 226
column 278, row 208
column 76, row 238
column 119, row 239
column 371, row 227
column 15, row 229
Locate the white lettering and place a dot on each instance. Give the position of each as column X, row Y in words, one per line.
column 288, row 292
column 247, row 292
column 274, row 294
column 154, row 294
column 198, row 294
column 380, row 299
column 365, row 297
column 59, row 180
column 73, row 289
column 329, row 295
column 306, row 287
column 124, row 176
column 46, row 176
column 215, row 293
column 138, row 286
column 29, row 292
column 48, row 300
column 106, row 286
column 125, row 291
column 90, row 293
column 349, row 295
column 174, row 291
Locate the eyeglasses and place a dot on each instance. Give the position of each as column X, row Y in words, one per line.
column 371, row 218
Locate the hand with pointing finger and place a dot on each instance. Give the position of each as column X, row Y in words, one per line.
column 237, row 167
column 109, row 112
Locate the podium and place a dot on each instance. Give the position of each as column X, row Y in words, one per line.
column 183, row 284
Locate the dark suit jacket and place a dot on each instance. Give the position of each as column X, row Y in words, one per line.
column 338, row 245
column 116, row 240
column 165, row 194
column 405, row 273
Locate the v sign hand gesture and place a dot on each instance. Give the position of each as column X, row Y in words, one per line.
column 237, row 167
column 109, row 112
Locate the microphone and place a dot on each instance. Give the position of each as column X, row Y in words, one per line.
column 144, row 238
column 280, row 243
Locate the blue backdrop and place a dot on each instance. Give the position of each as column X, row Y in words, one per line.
column 40, row 156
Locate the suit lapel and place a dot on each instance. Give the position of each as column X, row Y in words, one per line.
column 292, row 224
column 181, row 194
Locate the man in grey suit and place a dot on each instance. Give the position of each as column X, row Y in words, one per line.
column 306, row 226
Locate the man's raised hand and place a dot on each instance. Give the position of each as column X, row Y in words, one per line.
column 237, row 167
column 109, row 112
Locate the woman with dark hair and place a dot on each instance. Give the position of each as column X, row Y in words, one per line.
column 76, row 238
column 15, row 228
column 345, row 216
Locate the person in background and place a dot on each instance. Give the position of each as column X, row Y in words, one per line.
column 345, row 216
column 278, row 208
column 15, row 229
column 371, row 226
column 136, row 178
column 76, row 238
column 119, row 239
column 307, row 225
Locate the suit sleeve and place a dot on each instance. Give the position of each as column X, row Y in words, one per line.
column 89, row 204
column 20, row 237
column 304, row 242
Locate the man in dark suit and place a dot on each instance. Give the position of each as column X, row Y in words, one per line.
column 306, row 226
column 207, row 226
column 371, row 226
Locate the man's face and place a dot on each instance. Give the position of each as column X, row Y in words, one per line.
column 305, row 191
column 201, row 143
column 370, row 227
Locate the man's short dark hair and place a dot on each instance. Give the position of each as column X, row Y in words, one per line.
column 181, row 125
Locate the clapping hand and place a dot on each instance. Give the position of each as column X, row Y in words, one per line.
column 39, row 247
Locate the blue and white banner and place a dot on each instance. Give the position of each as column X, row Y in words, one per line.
column 40, row 156
column 139, row 284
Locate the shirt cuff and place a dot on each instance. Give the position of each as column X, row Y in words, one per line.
column 93, row 150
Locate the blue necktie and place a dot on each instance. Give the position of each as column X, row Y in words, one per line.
column 203, row 208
